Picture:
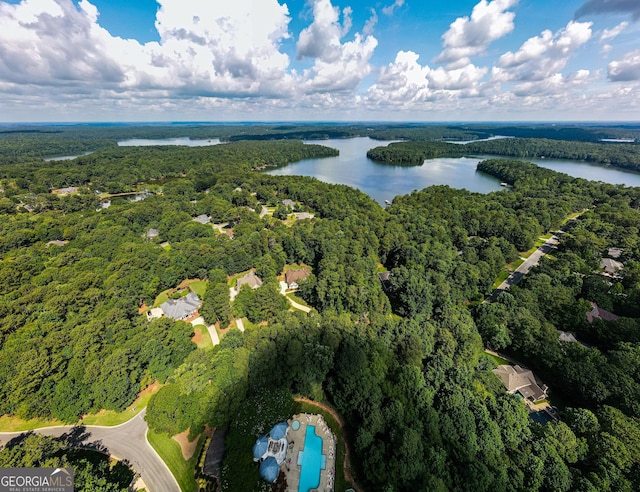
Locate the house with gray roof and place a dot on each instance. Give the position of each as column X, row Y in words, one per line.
column 522, row 381
column 182, row 308
column 202, row 219
column 250, row 279
column 289, row 203
column 610, row 266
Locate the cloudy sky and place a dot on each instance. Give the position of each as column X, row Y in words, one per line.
column 329, row 60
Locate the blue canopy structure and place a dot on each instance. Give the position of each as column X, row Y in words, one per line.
column 269, row 469
column 260, row 447
column 279, row 431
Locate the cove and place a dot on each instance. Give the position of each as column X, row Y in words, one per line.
column 384, row 181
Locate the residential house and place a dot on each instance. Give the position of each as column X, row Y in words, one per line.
column 57, row 242
column 610, row 266
column 522, row 381
column 65, row 191
column 289, row 203
column 303, row 215
column 182, row 308
column 599, row 313
column 292, row 277
column 203, row 219
column 250, row 279
column 384, row 279
column 151, row 234
column 565, row 336
column 615, row 252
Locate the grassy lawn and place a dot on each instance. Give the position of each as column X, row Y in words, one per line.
column 232, row 280
column 162, row 298
column 498, row 361
column 340, row 481
column 515, row 264
column 110, row 417
column 573, row 216
column 10, row 423
column 547, row 236
column 205, row 340
column 170, row 452
column 297, row 299
column 502, row 276
column 199, row 287
column 246, row 323
column 528, row 253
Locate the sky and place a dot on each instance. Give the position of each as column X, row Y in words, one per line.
column 319, row 60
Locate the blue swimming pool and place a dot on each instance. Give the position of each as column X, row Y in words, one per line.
column 311, row 460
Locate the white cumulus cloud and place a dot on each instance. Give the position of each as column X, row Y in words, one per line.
column 337, row 65
column 231, row 48
column 625, row 69
column 544, row 56
column 614, row 32
column 404, row 82
column 469, row 36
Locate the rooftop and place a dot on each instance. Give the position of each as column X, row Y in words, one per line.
column 517, row 379
column 250, row 279
column 293, row 276
column 180, row 309
column 599, row 313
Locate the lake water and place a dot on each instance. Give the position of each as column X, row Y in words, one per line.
column 383, row 181
column 147, row 142
column 592, row 172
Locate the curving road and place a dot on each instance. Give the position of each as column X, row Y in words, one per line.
column 126, row 441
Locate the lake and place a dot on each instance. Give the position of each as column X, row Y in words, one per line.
column 147, row 142
column 383, row 181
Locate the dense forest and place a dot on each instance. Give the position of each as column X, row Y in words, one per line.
column 19, row 142
column 626, row 156
column 404, row 365
column 92, row 471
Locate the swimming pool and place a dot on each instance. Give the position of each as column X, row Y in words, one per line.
column 311, row 460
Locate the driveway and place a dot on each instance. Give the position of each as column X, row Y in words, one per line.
column 126, row 441
column 199, row 321
column 294, row 304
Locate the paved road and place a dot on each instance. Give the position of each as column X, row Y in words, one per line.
column 528, row 264
column 127, row 441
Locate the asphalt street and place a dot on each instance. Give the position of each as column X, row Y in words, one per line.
column 126, row 441
column 528, row 264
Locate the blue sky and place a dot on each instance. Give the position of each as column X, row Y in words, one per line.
column 269, row 60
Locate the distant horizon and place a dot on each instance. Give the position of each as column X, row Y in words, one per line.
column 319, row 123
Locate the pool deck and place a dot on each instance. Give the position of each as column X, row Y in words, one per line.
column 296, row 444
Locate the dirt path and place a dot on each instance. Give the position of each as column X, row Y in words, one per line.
column 347, row 454
column 187, row 447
